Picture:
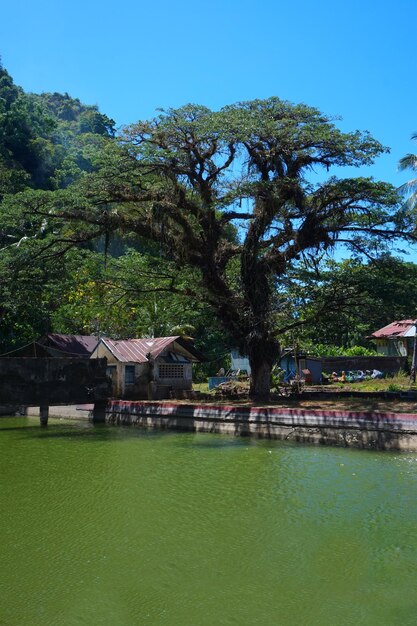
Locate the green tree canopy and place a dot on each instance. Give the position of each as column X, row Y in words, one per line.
column 350, row 300
column 43, row 134
column 47, row 141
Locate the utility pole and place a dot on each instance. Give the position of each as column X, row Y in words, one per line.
column 414, row 360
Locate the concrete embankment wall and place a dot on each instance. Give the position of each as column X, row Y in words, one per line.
column 383, row 431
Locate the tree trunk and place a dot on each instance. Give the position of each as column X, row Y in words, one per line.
column 263, row 353
column 260, row 382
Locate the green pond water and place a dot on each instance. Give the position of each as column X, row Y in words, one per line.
column 117, row 526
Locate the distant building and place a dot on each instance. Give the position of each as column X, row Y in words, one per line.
column 308, row 368
column 148, row 368
column 395, row 339
column 286, row 362
column 239, row 362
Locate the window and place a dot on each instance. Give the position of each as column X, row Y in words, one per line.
column 171, row 370
column 129, row 375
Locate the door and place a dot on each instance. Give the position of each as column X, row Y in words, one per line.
column 111, row 372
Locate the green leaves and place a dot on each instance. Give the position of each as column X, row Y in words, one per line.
column 347, row 301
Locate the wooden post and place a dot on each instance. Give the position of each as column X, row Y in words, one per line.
column 152, row 385
column 297, row 372
column 99, row 412
column 43, row 415
column 414, row 360
column 152, row 388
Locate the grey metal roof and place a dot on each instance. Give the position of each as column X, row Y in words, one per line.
column 135, row 350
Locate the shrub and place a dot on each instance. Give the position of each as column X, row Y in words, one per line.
column 393, row 387
column 322, row 349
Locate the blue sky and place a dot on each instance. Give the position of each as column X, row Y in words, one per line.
column 356, row 59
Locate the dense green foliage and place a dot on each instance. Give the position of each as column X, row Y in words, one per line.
column 349, row 300
column 41, row 136
column 42, row 143
column 196, row 222
column 116, row 285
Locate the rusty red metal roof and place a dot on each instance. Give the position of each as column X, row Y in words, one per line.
column 401, row 328
column 70, row 345
column 136, row 350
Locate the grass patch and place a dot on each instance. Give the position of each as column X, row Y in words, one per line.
column 397, row 383
column 201, row 387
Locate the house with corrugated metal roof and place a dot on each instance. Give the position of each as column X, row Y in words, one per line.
column 395, row 339
column 148, row 368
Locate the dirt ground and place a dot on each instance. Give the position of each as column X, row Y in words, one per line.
column 353, row 404
column 370, row 397
column 374, row 405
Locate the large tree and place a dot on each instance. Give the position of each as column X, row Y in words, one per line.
column 191, row 178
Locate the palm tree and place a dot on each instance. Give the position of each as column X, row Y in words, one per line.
column 409, row 162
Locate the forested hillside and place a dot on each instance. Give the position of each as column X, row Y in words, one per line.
column 48, row 141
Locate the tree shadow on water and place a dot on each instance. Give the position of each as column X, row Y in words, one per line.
column 86, row 431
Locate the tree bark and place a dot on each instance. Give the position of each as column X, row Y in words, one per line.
column 260, row 382
column 263, row 354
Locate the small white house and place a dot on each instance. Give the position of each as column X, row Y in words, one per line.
column 395, row 339
column 148, row 368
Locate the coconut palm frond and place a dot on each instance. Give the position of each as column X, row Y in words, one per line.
column 184, row 330
column 408, row 162
column 408, row 187
column 411, row 202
